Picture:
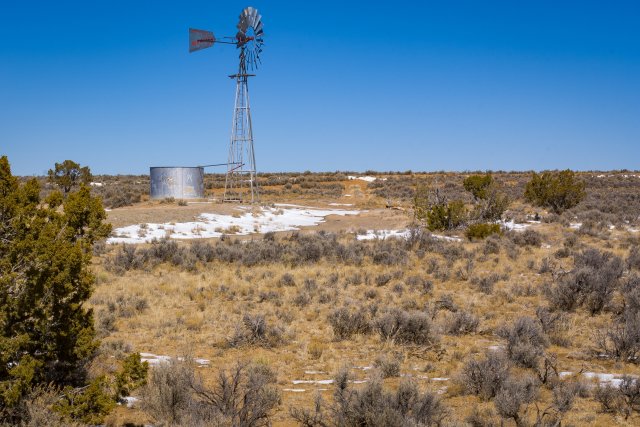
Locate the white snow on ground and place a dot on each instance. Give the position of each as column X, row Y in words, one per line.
column 383, row 234
column 511, row 225
column 130, row 401
column 280, row 218
column 613, row 380
column 314, row 372
column 365, row 178
column 96, row 184
column 156, row 360
column 404, row 234
column 296, row 382
column 340, row 204
column 575, row 225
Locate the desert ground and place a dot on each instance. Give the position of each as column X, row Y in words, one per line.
column 307, row 282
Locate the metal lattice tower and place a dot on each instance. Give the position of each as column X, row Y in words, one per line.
column 241, row 180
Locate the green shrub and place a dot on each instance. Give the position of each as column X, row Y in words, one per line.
column 132, row 375
column 478, row 185
column 446, row 216
column 481, row 230
column 557, row 191
column 89, row 404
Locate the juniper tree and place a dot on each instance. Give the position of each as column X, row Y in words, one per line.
column 68, row 175
column 46, row 332
column 558, row 191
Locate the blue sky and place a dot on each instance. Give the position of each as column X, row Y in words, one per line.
column 456, row 85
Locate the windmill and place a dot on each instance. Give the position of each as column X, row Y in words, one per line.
column 241, row 179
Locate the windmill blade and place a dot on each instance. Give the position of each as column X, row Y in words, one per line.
column 200, row 39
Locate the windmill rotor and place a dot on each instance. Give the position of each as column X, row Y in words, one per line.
column 250, row 37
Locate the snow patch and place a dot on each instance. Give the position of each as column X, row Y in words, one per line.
column 511, row 225
column 130, row 401
column 208, row 225
column 296, row 382
column 614, row 380
column 157, row 360
column 404, row 234
column 365, row 178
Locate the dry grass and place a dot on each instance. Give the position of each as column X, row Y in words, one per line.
column 198, row 312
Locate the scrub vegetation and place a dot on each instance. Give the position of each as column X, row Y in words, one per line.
column 495, row 308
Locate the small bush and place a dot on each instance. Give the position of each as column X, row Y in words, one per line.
column 373, row 406
column 383, row 279
column 254, row 330
column 484, row 377
column 621, row 341
column 514, row 393
column 558, row 191
column 491, row 245
column 525, row 341
column 89, row 404
column 448, row 216
column 287, row 280
column 590, row 284
column 633, row 260
column 462, row 323
column 485, row 284
column 528, row 237
column 388, row 365
column 245, row 396
column 346, row 323
column 477, row 185
column 406, row 327
column 132, row 375
column 481, row 230
column 609, row 398
column 554, row 325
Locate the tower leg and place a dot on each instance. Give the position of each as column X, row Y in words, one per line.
column 241, row 179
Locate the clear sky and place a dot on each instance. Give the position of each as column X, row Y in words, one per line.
column 357, row 85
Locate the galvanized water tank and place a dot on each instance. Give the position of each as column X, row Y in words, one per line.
column 177, row 182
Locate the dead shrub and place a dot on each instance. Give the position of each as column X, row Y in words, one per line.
column 609, row 398
column 633, row 260
column 346, row 323
column 485, row 284
column 513, row 395
column 287, row 280
column 388, row 365
column 383, row 279
column 484, row 377
column 555, row 325
column 491, row 245
column 245, row 396
column 462, row 323
column 590, row 284
column 528, row 237
column 168, row 396
column 254, row 330
column 404, row 327
column 525, row 341
column 621, row 341
column 374, row 406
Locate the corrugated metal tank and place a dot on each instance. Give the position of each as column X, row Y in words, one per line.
column 177, row 182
